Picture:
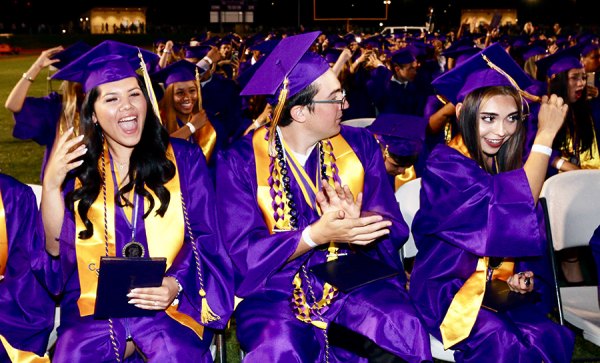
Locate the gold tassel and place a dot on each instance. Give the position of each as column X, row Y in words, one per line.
column 276, row 115
column 525, row 94
column 206, row 313
column 148, row 83
column 199, row 86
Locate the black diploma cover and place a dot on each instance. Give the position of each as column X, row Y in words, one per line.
column 499, row 298
column 117, row 276
column 352, row 271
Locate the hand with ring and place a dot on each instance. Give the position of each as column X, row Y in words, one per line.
column 521, row 282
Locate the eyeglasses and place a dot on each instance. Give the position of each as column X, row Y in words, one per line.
column 340, row 101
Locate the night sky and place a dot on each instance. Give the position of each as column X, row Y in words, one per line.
column 285, row 12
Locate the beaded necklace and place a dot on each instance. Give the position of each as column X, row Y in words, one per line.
column 307, row 309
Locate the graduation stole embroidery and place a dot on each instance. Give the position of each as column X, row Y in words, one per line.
column 3, row 237
column 160, row 243
column 21, row 356
column 206, row 138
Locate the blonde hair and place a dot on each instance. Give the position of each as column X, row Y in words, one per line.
column 72, row 94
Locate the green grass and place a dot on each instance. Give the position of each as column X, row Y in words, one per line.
column 22, row 160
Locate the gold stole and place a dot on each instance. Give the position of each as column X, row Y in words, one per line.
column 3, row 237
column 464, row 308
column 206, row 137
column 160, row 243
column 408, row 175
column 589, row 159
column 350, row 168
column 21, row 356
column 458, row 144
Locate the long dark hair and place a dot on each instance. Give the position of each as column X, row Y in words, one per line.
column 509, row 156
column 579, row 124
column 148, row 164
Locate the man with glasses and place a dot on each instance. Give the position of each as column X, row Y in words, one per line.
column 284, row 215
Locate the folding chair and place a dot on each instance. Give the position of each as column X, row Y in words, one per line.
column 359, row 122
column 408, row 198
column 571, row 203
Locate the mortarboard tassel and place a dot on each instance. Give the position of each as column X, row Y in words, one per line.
column 276, row 116
column 206, row 313
column 148, row 83
column 525, row 94
column 199, row 86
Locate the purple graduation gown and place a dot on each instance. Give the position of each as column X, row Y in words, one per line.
column 38, row 120
column 27, row 314
column 466, row 213
column 161, row 338
column 267, row 327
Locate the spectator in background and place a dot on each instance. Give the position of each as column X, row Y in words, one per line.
column 43, row 119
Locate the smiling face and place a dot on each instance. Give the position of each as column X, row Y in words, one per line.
column 497, row 122
column 185, row 97
column 120, row 110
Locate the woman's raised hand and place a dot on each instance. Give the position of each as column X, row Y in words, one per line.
column 63, row 159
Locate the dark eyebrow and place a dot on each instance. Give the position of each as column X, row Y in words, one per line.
column 334, row 92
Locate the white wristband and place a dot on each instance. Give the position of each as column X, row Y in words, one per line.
column 208, row 60
column 307, row 239
column 192, row 128
column 541, row 149
column 560, row 163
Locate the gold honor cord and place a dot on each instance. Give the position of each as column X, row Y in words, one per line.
column 3, row 237
column 525, row 94
column 148, row 83
column 21, row 356
column 90, row 250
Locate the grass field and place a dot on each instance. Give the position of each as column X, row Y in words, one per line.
column 22, row 160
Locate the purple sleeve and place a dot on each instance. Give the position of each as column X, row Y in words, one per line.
column 38, row 118
column 256, row 254
column 27, row 312
column 487, row 215
column 217, row 273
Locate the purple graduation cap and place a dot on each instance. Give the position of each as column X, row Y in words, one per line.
column 265, row 46
column 403, row 56
column 402, row 135
column 109, row 61
column 561, row 61
column 331, row 55
column 532, row 51
column 492, row 66
column 289, row 60
column 286, row 71
column 70, row 53
column 180, row 71
column 197, row 52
